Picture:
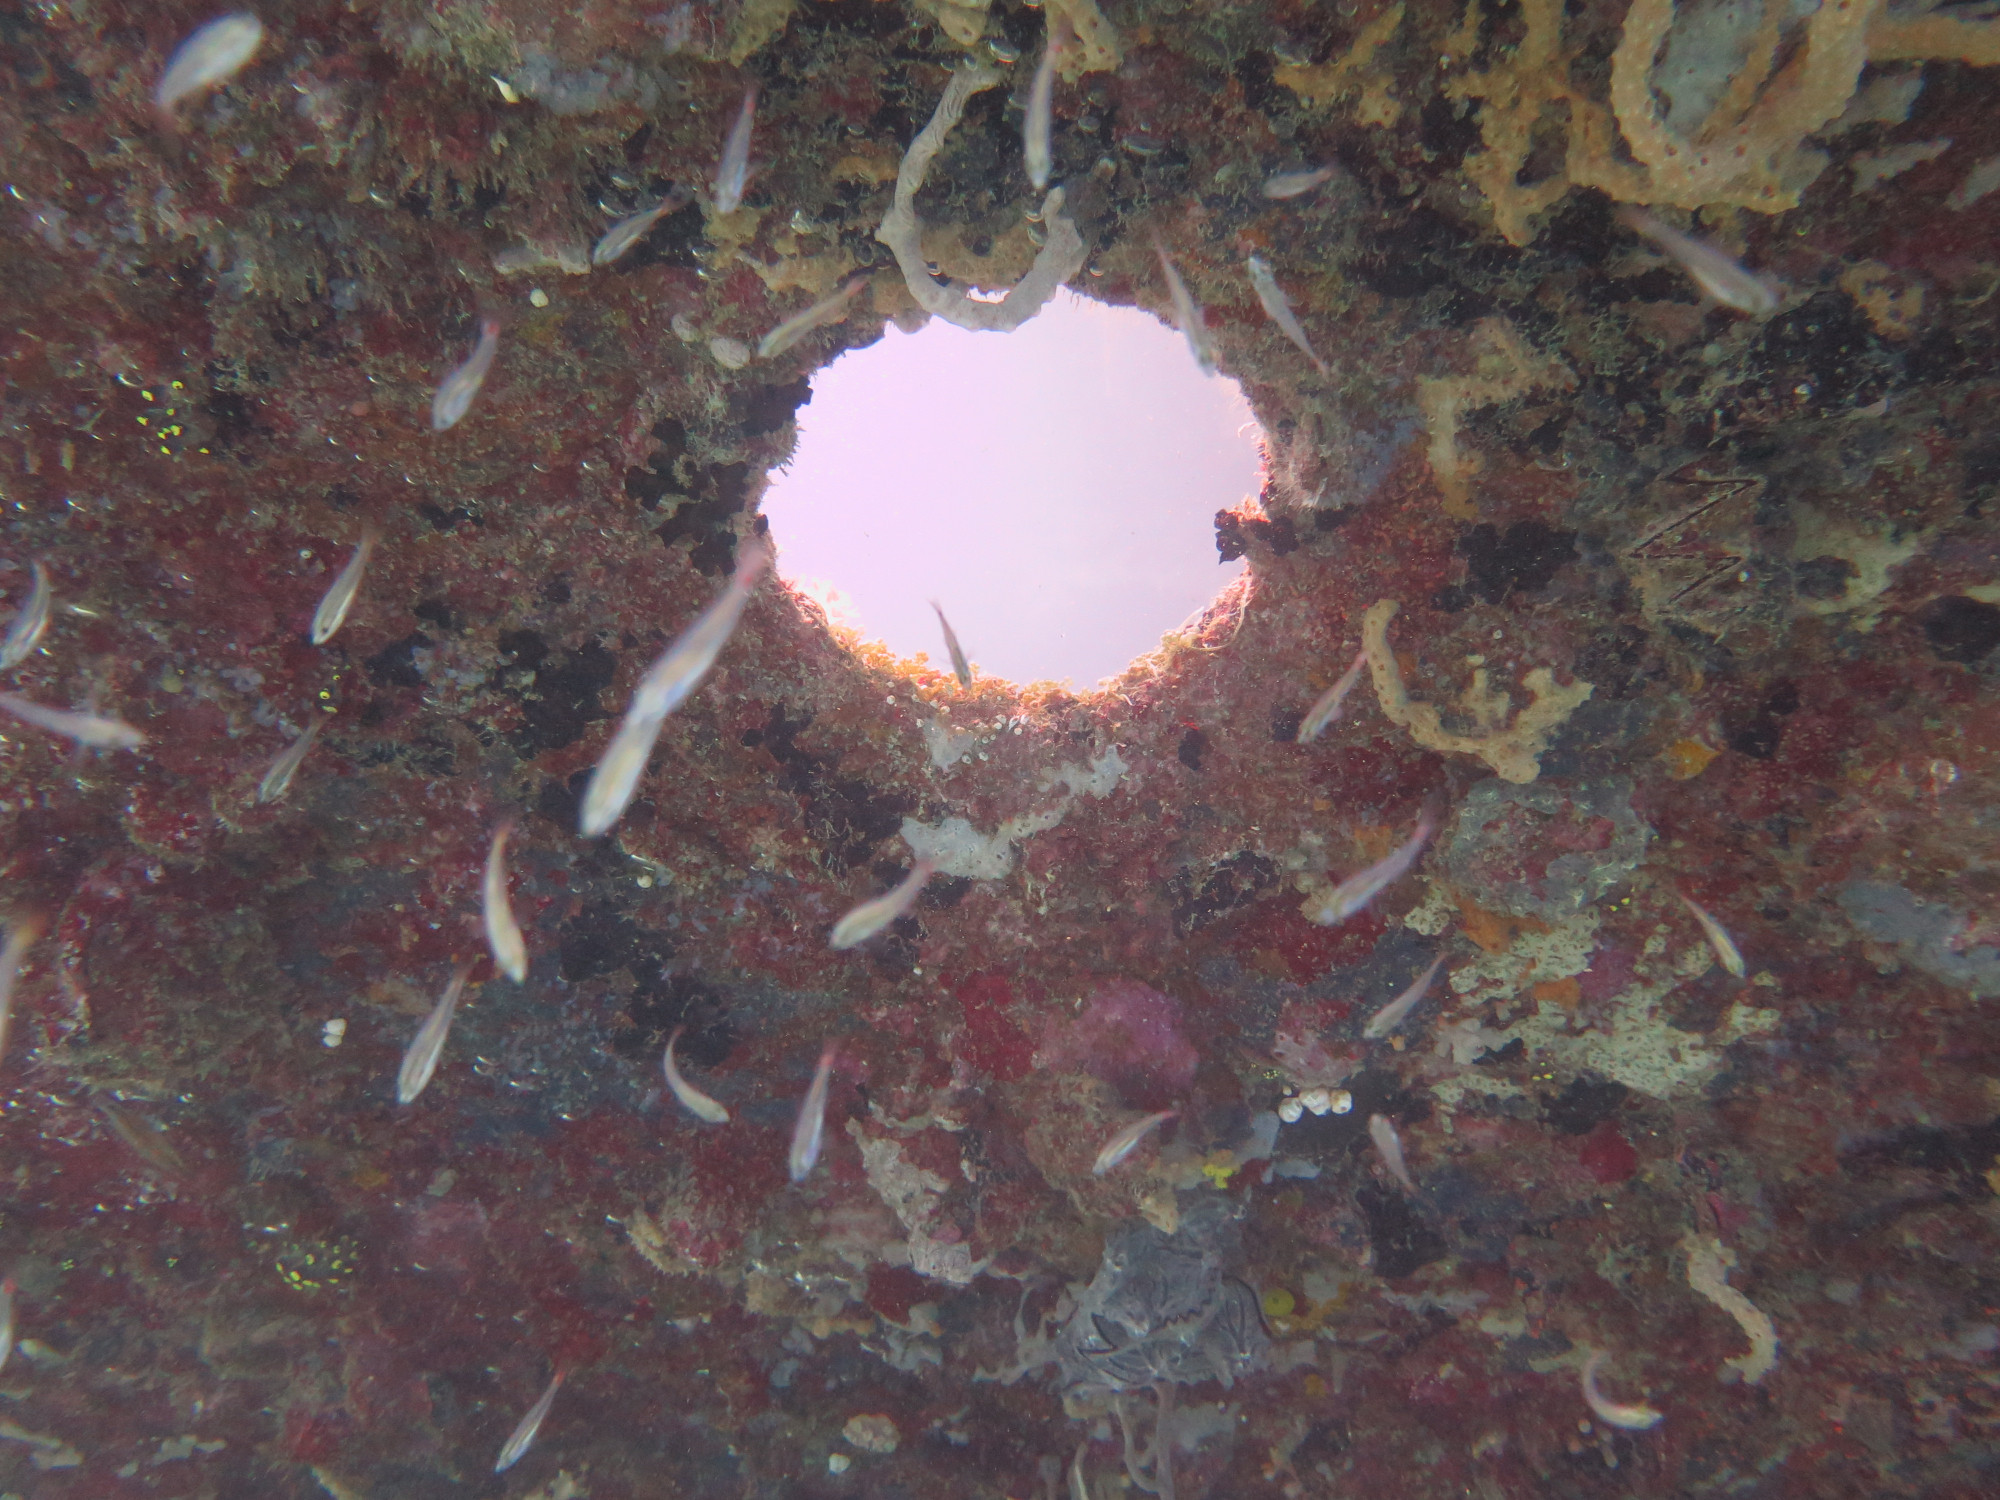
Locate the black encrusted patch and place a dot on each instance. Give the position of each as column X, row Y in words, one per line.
column 1823, row 577
column 562, row 697
column 715, row 494
column 1401, row 1242
column 598, row 941
column 844, row 815
column 1523, row 559
column 1961, row 629
column 1194, row 745
column 1961, row 1151
column 1236, row 534
column 1758, row 733
column 944, row 892
column 769, row 407
column 1199, row 897
column 395, row 665
column 1588, row 1099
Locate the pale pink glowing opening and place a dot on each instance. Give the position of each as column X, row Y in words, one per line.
column 1054, row 488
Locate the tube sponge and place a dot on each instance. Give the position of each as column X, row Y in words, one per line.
column 903, row 232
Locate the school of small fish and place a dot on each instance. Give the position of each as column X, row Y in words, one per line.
column 503, row 933
column 1636, row 1417
column 21, row 934
column 1353, row 894
column 1187, row 314
column 623, row 236
column 961, row 668
column 1278, row 308
column 732, row 172
column 92, row 731
column 810, row 1131
column 1719, row 274
column 1389, row 1146
column 1726, row 951
column 692, row 1099
column 870, row 917
column 1038, row 123
column 340, row 594
column 30, row 622
column 1326, row 710
column 456, row 391
column 215, row 53
column 1126, row 1141
column 420, row 1058
column 663, row 689
column 523, row 1436
column 829, row 309
column 1392, row 1015
column 278, row 780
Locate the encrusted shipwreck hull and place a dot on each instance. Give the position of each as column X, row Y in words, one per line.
column 1672, row 614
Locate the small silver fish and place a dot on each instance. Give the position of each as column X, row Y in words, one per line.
column 21, row 935
column 523, row 1436
column 1127, row 1140
column 1292, row 184
column 627, row 232
column 1355, row 892
column 692, row 1099
column 1079, row 1488
column 332, row 611
column 214, row 54
column 1187, row 313
column 616, row 775
column 679, row 672
column 1635, row 1418
column 1717, row 273
column 278, row 780
column 1039, row 120
column 7, row 1290
column 1326, row 710
column 733, row 171
column 503, row 933
column 1279, row 310
column 91, row 730
column 1725, row 949
column 33, row 618
column 831, row 309
column 870, row 917
column 663, row 689
column 1390, row 1016
column 420, row 1058
column 1390, row 1147
column 960, row 667
column 455, row 392
column 810, row 1130
column 147, row 1138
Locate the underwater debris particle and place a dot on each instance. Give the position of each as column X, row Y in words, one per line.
column 1687, row 759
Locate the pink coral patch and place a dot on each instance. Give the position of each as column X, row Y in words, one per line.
column 1129, row 1036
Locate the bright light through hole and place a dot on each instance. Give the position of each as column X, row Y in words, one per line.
column 1054, row 489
